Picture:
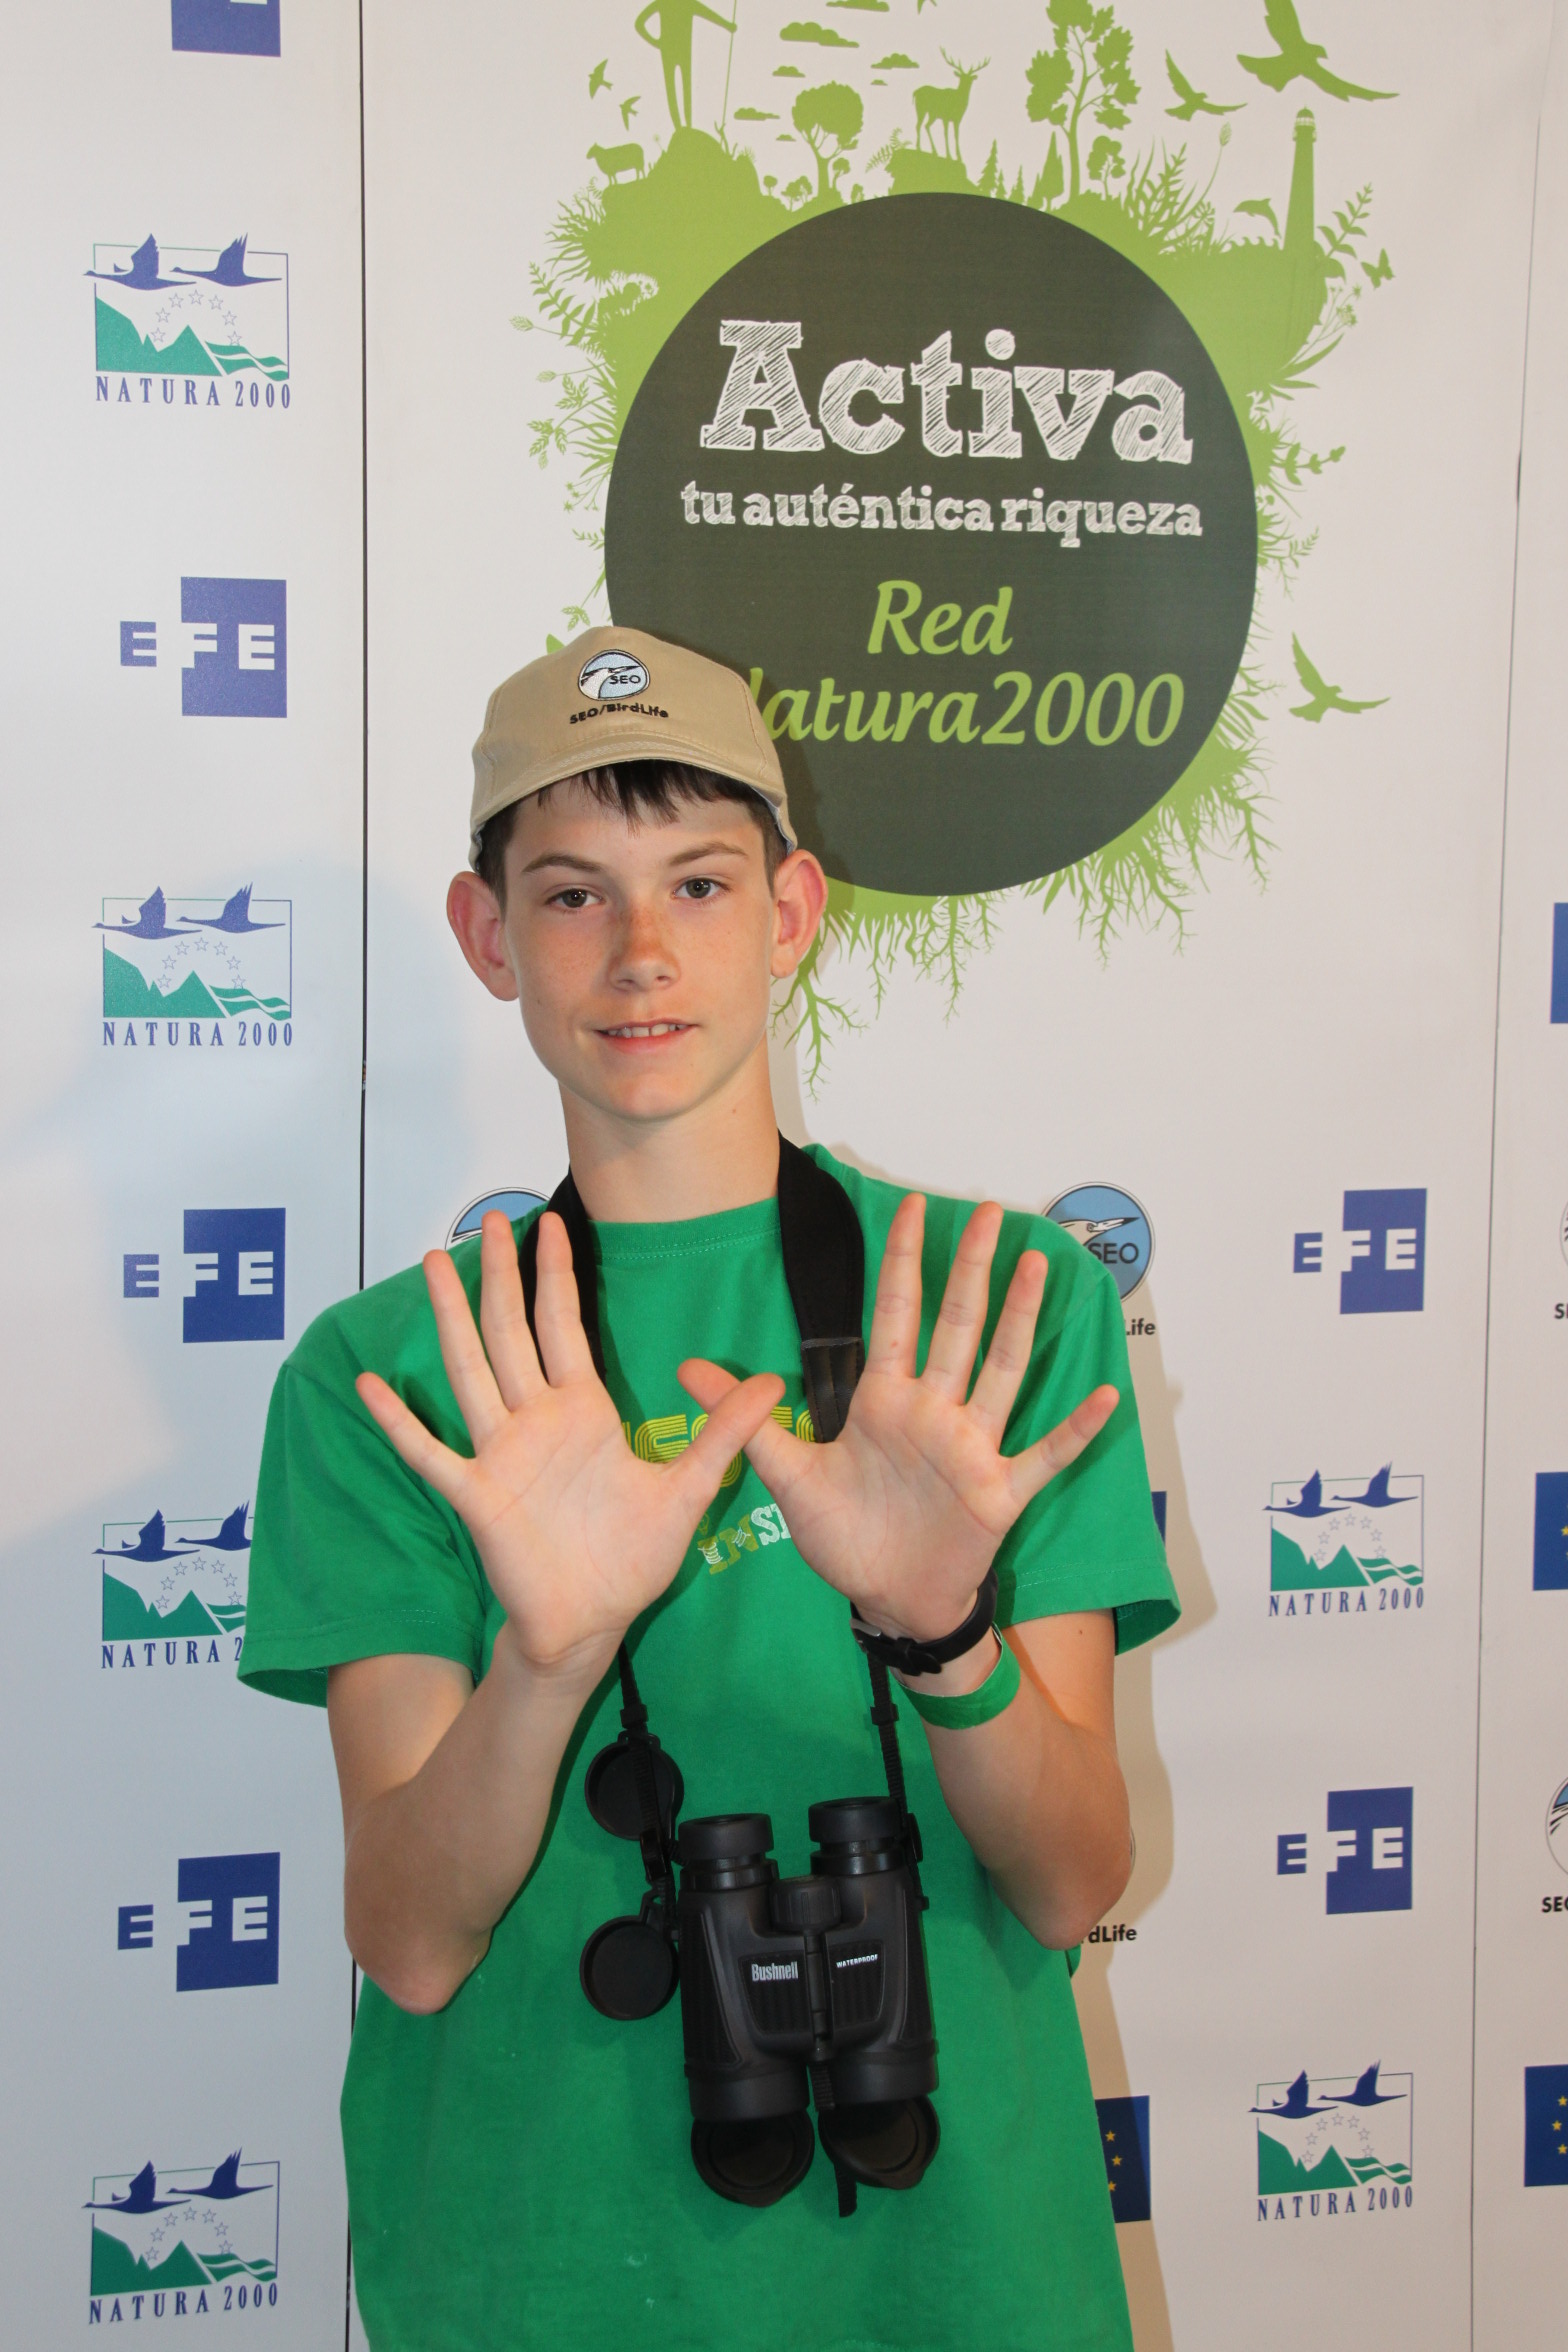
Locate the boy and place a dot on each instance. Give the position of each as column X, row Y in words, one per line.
column 451, row 1557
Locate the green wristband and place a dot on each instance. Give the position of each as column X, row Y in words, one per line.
column 997, row 1692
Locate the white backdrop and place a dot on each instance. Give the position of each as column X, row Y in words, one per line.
column 1337, row 1025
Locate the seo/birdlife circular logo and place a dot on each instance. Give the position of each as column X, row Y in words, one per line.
column 513, row 1201
column 1112, row 1226
column 612, row 676
column 958, row 489
column 1557, row 1827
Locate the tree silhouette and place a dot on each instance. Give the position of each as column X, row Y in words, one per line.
column 1087, row 70
column 1051, row 182
column 1105, row 162
column 832, row 111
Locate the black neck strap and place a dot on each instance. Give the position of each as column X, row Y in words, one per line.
column 825, row 1268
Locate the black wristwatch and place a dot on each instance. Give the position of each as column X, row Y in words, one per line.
column 907, row 1656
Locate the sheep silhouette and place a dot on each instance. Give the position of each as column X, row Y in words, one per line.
column 612, row 161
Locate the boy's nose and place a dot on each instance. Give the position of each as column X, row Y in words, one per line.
column 643, row 954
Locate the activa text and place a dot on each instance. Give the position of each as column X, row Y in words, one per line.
column 762, row 377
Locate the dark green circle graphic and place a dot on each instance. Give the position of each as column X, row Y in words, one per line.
column 1008, row 575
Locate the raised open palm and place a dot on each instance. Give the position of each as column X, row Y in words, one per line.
column 577, row 1535
column 904, row 1512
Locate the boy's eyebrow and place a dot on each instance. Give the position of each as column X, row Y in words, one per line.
column 701, row 851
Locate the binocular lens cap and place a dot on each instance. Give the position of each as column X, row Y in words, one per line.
column 887, row 2146
column 611, row 1789
column 628, row 1969
column 754, row 2163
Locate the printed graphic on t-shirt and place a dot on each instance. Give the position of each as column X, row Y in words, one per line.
column 750, row 1533
column 669, row 1434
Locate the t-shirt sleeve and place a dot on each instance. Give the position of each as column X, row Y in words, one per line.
column 353, row 1555
column 1089, row 1541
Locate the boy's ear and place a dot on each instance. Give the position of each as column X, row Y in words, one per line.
column 476, row 918
column 800, row 897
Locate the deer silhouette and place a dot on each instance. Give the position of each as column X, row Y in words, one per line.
column 934, row 105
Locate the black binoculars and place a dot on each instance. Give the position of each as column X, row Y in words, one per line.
column 794, row 1988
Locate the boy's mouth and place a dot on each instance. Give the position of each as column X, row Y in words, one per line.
column 634, row 1032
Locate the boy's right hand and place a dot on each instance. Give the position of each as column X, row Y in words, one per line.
column 577, row 1535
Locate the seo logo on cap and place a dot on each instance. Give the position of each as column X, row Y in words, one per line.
column 1112, row 1227
column 611, row 676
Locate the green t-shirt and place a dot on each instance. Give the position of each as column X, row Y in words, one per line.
column 518, row 2166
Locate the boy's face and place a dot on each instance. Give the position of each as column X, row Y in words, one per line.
column 643, row 955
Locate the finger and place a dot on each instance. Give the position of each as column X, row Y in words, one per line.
column 462, row 1350
column 502, row 1319
column 895, row 1321
column 961, row 1318
column 563, row 1343
column 1033, row 1469
column 771, row 1448
column 445, row 1471
column 734, row 1419
column 1012, row 1344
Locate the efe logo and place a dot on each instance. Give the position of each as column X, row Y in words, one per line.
column 237, row 28
column 1383, row 1270
column 227, row 1922
column 235, row 1263
column 1369, row 1853
column 233, row 648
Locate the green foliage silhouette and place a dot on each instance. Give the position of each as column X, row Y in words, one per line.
column 1087, row 70
column 832, row 112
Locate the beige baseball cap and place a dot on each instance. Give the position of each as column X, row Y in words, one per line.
column 619, row 694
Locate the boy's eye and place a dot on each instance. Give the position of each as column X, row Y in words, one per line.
column 699, row 886
column 571, row 898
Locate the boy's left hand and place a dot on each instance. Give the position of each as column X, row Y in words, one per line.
column 904, row 1513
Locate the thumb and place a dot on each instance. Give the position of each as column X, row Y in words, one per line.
column 1038, row 1464
column 736, row 1411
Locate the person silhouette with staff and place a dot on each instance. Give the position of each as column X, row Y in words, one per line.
column 673, row 42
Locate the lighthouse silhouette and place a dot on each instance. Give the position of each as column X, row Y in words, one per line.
column 1304, row 261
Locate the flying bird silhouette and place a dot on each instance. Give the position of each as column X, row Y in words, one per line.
column 142, row 276
column 1324, row 696
column 151, row 921
column 235, row 917
column 1260, row 209
column 141, row 2197
column 1087, row 1229
column 599, row 79
column 1298, row 55
column 1377, row 1496
column 1193, row 101
column 225, row 2182
column 1366, row 2092
column 229, row 269
column 1295, row 2106
column 149, row 1546
column 628, row 109
column 231, row 1536
column 1309, row 1504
